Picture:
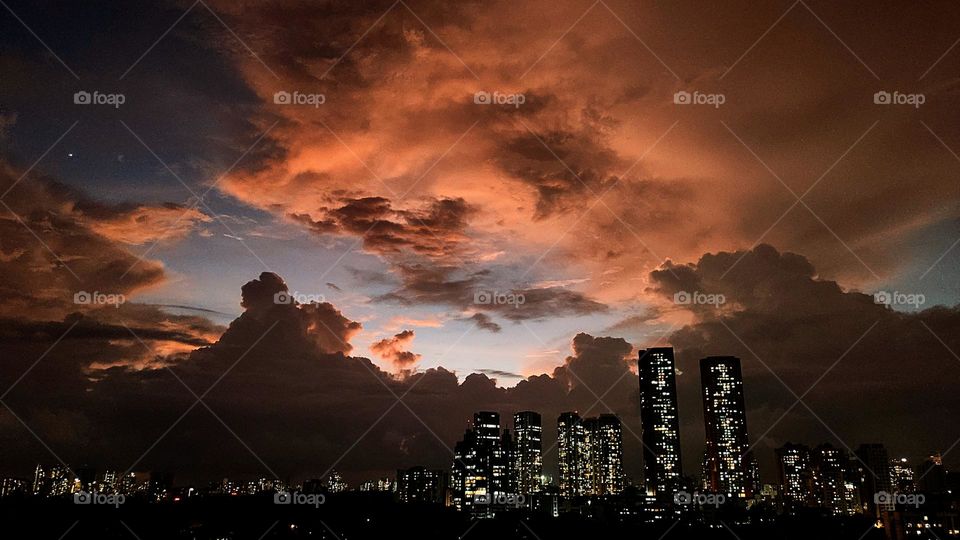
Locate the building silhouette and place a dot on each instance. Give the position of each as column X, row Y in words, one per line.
column 660, row 422
column 875, row 477
column 931, row 476
column 482, row 466
column 728, row 464
column 528, row 452
column 829, row 479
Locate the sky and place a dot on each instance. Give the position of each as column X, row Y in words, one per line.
column 471, row 205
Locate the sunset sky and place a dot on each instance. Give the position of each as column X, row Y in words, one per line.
column 400, row 198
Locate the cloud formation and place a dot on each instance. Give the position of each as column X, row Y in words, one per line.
column 394, row 350
column 851, row 359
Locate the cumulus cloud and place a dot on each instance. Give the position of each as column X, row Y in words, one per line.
column 295, row 399
column 284, row 375
column 320, row 325
column 859, row 360
column 394, row 350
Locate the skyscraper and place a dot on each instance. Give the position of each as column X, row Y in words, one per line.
column 571, row 447
column 796, row 478
column 728, row 465
column 528, row 451
column 482, row 462
column 604, row 443
column 875, row 477
column 931, row 477
column 829, row 466
column 659, row 422
column 468, row 478
column 590, row 455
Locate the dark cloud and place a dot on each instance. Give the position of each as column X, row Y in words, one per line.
column 436, row 230
column 447, row 285
column 304, row 402
column 484, row 321
column 57, row 246
column 71, row 251
column 296, row 401
column 318, row 326
column 500, row 373
column 788, row 324
column 636, row 324
column 564, row 167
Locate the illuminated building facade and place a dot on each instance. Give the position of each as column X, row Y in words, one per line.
column 528, row 452
column 604, row 448
column 829, row 474
column 482, row 465
column 901, row 474
column 660, row 422
column 590, row 455
column 421, row 485
column 796, row 478
column 55, row 481
column 728, row 464
column 815, row 478
column 572, row 454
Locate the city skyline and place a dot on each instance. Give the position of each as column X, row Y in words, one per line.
column 489, row 461
column 666, row 247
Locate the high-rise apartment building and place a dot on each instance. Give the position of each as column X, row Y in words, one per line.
column 660, row 422
column 728, row 464
column 528, row 451
column 572, row 458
